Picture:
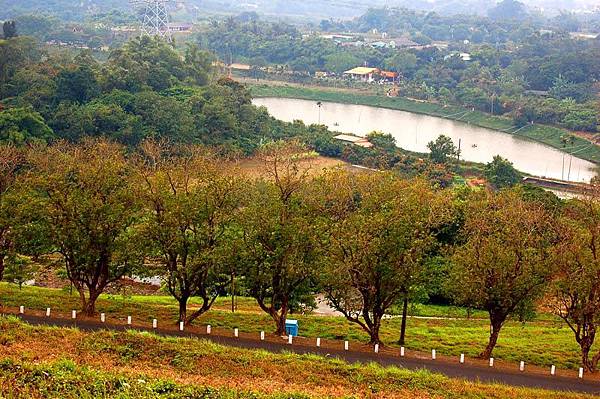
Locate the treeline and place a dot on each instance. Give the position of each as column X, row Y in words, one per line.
column 146, row 89
column 368, row 240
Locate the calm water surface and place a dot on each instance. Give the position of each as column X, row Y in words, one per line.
column 413, row 132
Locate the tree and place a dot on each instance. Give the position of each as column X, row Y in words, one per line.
column 77, row 84
column 508, row 9
column 341, row 62
column 577, row 289
column 84, row 197
column 501, row 173
column 23, row 126
column 190, row 204
column 442, row 149
column 281, row 256
column 379, row 230
column 11, row 159
column 198, row 65
column 403, row 62
column 505, row 261
column 10, row 29
column 19, row 270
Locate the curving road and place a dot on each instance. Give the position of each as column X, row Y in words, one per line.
column 455, row 370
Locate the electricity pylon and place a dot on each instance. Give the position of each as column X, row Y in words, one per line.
column 153, row 16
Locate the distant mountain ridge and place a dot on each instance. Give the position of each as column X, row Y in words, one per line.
column 310, row 9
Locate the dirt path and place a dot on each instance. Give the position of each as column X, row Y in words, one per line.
column 443, row 366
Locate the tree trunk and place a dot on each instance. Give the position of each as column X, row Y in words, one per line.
column 88, row 305
column 282, row 317
column 496, row 325
column 585, row 358
column 402, row 339
column 375, row 330
column 232, row 292
column 1, row 267
column 585, row 343
column 90, row 309
column 183, row 309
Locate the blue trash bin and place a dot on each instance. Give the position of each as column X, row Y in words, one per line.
column 291, row 327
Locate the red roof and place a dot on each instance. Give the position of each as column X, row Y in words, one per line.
column 389, row 74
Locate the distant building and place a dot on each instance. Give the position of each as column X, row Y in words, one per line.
column 364, row 74
column 463, row 56
column 240, row 67
column 404, row 42
column 354, row 140
column 379, row 45
column 389, row 76
column 180, row 27
column 584, row 36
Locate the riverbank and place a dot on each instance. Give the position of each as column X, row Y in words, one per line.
column 548, row 135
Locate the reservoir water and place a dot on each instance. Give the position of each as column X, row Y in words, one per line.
column 413, row 131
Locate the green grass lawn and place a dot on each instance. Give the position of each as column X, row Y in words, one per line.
column 545, row 134
column 543, row 342
column 51, row 362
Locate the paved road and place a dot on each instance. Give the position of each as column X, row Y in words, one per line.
column 469, row 372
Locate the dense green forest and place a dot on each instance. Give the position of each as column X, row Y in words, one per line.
column 145, row 89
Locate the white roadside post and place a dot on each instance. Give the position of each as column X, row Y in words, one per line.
column 346, row 345
column 129, row 320
column 181, row 326
column 290, row 338
column 74, row 314
column 376, row 348
column 102, row 317
column 433, row 354
column 553, row 370
column 262, row 335
column 522, row 366
column 491, row 362
column 402, row 351
column 236, row 332
column 318, row 342
column 47, row 312
column 22, row 309
column 208, row 329
column 154, row 324
column 462, row 358
column 581, row 372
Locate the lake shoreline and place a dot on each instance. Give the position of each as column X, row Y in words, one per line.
column 547, row 135
column 413, row 131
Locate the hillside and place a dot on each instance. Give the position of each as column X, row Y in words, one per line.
column 68, row 363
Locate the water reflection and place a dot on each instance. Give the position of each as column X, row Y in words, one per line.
column 414, row 131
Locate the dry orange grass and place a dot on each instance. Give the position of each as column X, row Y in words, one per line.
column 197, row 362
column 255, row 168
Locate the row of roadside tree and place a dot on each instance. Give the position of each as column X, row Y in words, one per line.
column 365, row 239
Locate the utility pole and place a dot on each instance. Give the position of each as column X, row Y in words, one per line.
column 154, row 17
column 319, row 104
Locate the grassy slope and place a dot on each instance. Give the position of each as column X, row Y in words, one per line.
column 543, row 342
column 63, row 363
column 545, row 134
